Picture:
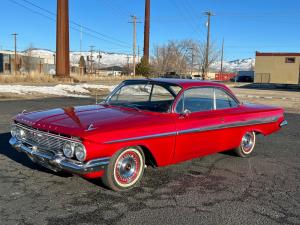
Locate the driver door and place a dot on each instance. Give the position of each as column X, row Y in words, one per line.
column 196, row 124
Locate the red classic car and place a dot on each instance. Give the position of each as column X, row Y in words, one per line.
column 154, row 122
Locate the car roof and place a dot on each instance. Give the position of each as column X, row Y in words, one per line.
column 184, row 83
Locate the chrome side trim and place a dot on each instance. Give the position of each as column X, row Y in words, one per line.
column 283, row 123
column 58, row 162
column 231, row 125
column 202, row 129
column 167, row 134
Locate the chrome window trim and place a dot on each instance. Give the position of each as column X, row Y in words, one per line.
column 152, row 82
column 180, row 95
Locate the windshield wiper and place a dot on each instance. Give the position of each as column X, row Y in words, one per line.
column 132, row 106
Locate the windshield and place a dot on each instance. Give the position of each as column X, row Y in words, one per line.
column 150, row 96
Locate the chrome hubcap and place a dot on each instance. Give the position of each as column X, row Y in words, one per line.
column 127, row 167
column 248, row 142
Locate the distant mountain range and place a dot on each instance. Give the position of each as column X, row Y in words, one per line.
column 119, row 59
column 235, row 65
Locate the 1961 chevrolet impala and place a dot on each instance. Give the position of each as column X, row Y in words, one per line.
column 154, row 121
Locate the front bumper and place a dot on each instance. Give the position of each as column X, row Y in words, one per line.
column 58, row 162
column 283, row 123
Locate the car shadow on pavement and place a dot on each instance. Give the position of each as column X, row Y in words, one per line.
column 8, row 151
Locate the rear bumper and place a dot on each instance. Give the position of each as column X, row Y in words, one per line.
column 283, row 123
column 58, row 162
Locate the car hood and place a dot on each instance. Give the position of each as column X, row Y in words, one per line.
column 77, row 121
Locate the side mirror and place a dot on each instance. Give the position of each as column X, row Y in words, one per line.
column 185, row 113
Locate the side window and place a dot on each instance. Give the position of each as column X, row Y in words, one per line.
column 199, row 99
column 133, row 93
column 161, row 94
column 223, row 100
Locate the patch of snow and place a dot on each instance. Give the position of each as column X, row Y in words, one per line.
column 79, row 90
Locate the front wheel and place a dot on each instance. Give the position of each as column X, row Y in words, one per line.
column 247, row 145
column 125, row 169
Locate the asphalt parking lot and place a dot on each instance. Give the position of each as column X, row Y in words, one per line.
column 217, row 189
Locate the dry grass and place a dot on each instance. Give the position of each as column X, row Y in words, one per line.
column 30, row 78
column 43, row 78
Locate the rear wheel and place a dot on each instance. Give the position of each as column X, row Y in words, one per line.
column 125, row 169
column 247, row 145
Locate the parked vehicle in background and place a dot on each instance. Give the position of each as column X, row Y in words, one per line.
column 197, row 77
column 246, row 79
column 174, row 75
column 155, row 122
column 224, row 76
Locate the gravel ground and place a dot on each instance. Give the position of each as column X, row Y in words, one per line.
column 217, row 189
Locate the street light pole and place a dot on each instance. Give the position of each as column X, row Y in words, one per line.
column 15, row 44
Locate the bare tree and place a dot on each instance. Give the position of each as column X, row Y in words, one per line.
column 28, row 62
column 182, row 56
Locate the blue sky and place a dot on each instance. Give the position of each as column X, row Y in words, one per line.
column 246, row 26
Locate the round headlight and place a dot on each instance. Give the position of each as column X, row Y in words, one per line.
column 68, row 149
column 20, row 134
column 13, row 131
column 80, row 152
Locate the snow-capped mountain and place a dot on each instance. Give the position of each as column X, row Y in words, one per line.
column 107, row 58
column 120, row 59
column 235, row 65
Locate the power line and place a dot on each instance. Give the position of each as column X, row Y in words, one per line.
column 111, row 40
column 195, row 29
column 75, row 23
column 119, row 11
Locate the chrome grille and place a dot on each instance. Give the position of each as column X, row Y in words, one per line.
column 43, row 140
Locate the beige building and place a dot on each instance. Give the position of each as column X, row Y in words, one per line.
column 277, row 68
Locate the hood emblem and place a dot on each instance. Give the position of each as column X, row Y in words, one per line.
column 91, row 127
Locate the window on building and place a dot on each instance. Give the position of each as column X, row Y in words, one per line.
column 6, row 66
column 290, row 60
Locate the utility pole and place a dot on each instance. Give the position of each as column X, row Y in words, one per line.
column 40, row 65
column 62, row 40
column 81, row 40
column 208, row 14
column 99, row 58
column 128, row 69
column 147, row 32
column 138, row 53
column 222, row 57
column 91, row 58
column 15, row 44
column 134, row 43
column 192, row 64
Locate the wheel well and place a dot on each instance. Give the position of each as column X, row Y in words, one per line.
column 149, row 158
column 258, row 132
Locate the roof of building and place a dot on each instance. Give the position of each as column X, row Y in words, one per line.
column 277, row 54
